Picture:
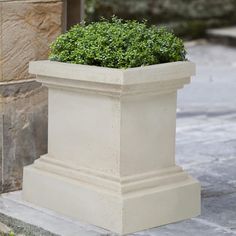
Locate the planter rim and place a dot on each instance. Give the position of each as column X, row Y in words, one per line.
column 138, row 75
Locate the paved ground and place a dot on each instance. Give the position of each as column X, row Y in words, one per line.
column 206, row 147
column 206, row 142
column 214, row 88
column 225, row 35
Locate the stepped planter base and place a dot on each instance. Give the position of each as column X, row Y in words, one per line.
column 111, row 150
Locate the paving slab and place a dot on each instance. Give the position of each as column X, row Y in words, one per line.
column 31, row 220
column 212, row 91
column 226, row 35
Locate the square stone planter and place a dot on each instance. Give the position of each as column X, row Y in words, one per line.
column 111, row 146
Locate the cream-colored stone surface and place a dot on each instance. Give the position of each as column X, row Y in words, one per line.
column 111, row 146
column 26, row 30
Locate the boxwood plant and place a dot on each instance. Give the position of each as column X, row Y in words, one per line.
column 117, row 43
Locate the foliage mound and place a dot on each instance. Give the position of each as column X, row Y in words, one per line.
column 117, row 44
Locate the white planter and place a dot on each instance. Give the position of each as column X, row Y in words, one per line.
column 111, row 146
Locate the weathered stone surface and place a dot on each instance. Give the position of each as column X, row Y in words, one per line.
column 27, row 27
column 192, row 227
column 24, row 130
column 0, row 41
column 26, row 30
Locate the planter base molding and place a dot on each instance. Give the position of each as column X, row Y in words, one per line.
column 123, row 206
column 111, row 147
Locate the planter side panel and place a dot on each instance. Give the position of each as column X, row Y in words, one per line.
column 84, row 129
column 147, row 133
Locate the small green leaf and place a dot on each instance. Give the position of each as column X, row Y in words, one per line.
column 117, row 44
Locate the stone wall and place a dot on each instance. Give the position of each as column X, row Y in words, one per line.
column 23, row 120
column 27, row 27
column 185, row 16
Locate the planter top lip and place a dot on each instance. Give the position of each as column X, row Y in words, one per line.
column 137, row 75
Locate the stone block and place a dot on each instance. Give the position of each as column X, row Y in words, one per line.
column 27, row 27
column 23, row 130
column 26, row 30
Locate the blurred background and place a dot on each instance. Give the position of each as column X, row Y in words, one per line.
column 188, row 18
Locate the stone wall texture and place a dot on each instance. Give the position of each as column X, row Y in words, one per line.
column 23, row 130
column 27, row 27
column 26, row 30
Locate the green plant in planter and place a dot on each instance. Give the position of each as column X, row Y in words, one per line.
column 117, row 44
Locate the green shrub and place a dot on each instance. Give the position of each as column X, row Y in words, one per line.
column 117, row 44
